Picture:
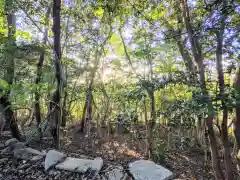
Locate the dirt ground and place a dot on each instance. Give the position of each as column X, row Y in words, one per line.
column 187, row 164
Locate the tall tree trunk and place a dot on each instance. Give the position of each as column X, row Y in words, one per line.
column 237, row 121
column 89, row 111
column 198, row 57
column 64, row 107
column 87, row 108
column 146, row 125
column 89, row 92
column 58, row 73
column 150, row 91
column 84, row 114
column 224, row 125
column 214, row 149
column 186, row 57
column 106, row 105
column 9, row 74
column 152, row 123
column 39, row 72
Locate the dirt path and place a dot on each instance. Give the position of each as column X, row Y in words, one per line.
column 187, row 165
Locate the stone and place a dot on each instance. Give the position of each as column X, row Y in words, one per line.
column 13, row 147
column 17, row 148
column 80, row 165
column 37, row 158
column 21, row 154
column 148, row 170
column 97, row 164
column 52, row 158
column 11, row 141
column 35, row 152
column 75, row 165
column 18, row 145
column 117, row 174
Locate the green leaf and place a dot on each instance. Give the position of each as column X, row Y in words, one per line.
column 119, row 50
column 4, row 85
column 114, row 39
column 23, row 34
column 117, row 63
column 140, row 53
column 99, row 12
column 69, row 62
column 157, row 14
column 3, row 31
column 174, row 68
column 107, row 52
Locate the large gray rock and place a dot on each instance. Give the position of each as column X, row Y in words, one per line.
column 11, row 145
column 11, row 141
column 80, row 165
column 18, row 145
column 21, row 154
column 35, row 152
column 148, row 170
column 20, row 151
column 52, row 158
column 37, row 158
column 97, row 164
column 17, row 148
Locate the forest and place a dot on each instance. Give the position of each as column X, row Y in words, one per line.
column 137, row 84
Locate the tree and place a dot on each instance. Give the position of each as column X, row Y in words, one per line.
column 39, row 71
column 198, row 57
column 123, row 58
column 237, row 121
column 58, row 74
column 9, row 73
column 224, row 128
